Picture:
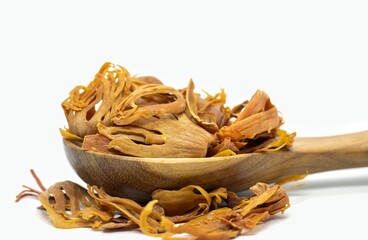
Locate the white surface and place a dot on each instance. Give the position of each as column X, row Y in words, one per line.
column 311, row 57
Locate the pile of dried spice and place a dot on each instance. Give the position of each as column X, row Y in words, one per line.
column 118, row 113
column 219, row 214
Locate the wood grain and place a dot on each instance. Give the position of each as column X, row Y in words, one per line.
column 136, row 178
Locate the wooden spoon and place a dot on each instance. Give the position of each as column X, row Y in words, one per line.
column 136, row 178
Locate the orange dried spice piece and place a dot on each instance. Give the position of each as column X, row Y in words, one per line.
column 71, row 206
column 140, row 116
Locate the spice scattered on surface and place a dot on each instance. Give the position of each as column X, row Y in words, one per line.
column 219, row 214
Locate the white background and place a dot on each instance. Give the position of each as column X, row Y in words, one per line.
column 311, row 57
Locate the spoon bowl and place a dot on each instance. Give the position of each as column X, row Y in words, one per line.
column 136, row 178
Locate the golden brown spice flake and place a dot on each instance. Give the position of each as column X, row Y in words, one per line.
column 159, row 137
column 140, row 116
column 219, row 214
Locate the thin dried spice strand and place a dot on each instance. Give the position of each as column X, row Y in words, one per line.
column 259, row 200
column 191, row 102
column 225, row 153
column 38, row 181
column 125, row 207
column 128, row 111
column 283, row 139
column 66, row 134
column 144, row 225
column 128, row 210
column 106, row 88
column 214, row 109
column 211, row 100
column 27, row 192
column 30, row 191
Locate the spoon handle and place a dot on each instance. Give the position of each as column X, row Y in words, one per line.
column 318, row 154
